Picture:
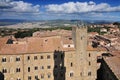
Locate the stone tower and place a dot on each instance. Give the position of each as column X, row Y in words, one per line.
column 80, row 41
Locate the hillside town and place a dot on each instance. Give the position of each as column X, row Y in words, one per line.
column 59, row 39
column 62, row 54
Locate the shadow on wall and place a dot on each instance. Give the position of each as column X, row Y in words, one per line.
column 59, row 68
column 1, row 76
column 100, row 70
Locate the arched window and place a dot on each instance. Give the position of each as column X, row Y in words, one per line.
column 28, row 69
column 17, row 69
column 4, row 70
column 3, row 59
column 42, row 76
column 89, row 73
column 71, row 74
column 49, row 75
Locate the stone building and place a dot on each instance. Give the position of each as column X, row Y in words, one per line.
column 110, row 66
column 50, row 58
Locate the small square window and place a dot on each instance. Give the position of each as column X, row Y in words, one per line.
column 89, row 73
column 36, row 68
column 42, row 67
column 28, row 57
column 41, row 57
column 17, row 69
column 46, row 40
column 49, row 76
column 48, row 57
column 4, row 59
column 35, row 57
column 68, row 45
column 36, row 77
column 17, row 58
column 42, row 76
column 29, row 78
column 4, row 70
column 48, row 67
column 71, row 74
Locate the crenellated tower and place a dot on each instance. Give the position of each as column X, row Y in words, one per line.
column 80, row 41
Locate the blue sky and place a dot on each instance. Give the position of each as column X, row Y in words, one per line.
column 60, row 9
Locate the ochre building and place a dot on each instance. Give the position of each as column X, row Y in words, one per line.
column 56, row 57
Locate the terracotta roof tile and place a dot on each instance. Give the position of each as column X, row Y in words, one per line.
column 3, row 41
column 114, row 65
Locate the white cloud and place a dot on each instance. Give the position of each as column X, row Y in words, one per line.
column 81, row 7
column 4, row 4
column 18, row 6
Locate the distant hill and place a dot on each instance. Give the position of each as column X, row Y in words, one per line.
column 4, row 22
column 57, row 22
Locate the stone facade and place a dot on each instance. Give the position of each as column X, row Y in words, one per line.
column 61, row 64
column 85, row 60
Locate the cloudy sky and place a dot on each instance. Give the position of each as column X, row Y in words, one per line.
column 60, row 9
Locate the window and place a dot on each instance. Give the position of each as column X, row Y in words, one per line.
column 68, row 45
column 42, row 76
column 81, row 74
column 81, row 37
column 41, row 57
column 29, row 78
column 4, row 70
column 71, row 64
column 4, row 59
column 28, row 69
column 36, row 77
column 42, row 67
column 89, row 63
column 46, row 40
column 89, row 55
column 28, row 57
column 35, row 57
column 48, row 75
column 48, row 57
column 48, row 67
column 71, row 74
column 70, row 38
column 17, row 58
column 17, row 69
column 36, row 68
column 89, row 73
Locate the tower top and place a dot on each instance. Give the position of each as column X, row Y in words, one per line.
column 81, row 26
